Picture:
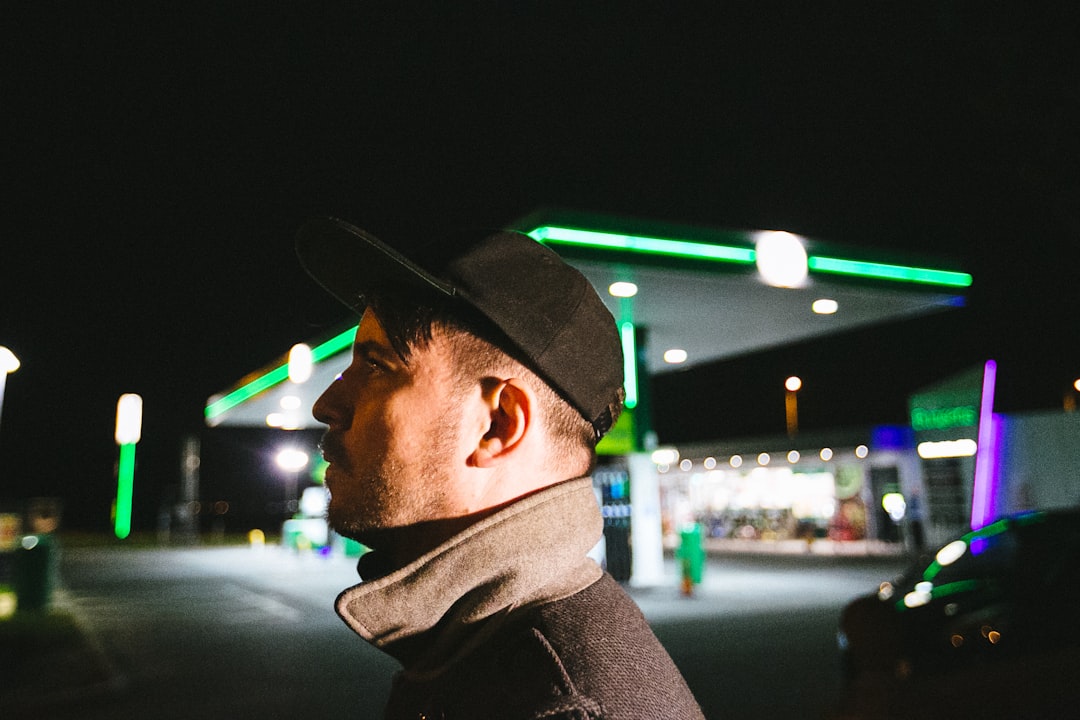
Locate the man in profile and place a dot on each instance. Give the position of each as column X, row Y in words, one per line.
column 460, row 440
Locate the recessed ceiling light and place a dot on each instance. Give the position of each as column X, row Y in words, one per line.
column 674, row 356
column 622, row 289
column 825, row 306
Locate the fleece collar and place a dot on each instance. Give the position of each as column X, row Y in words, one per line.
column 439, row 606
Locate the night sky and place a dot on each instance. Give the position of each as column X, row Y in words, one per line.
column 157, row 161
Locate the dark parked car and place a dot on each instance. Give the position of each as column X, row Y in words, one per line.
column 988, row 626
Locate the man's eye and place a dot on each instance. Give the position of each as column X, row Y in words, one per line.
column 374, row 364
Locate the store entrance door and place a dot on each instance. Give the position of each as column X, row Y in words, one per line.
column 884, row 480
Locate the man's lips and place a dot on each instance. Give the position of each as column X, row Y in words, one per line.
column 330, row 448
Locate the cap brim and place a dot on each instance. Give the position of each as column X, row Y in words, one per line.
column 351, row 264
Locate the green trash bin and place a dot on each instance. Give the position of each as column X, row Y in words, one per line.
column 691, row 555
column 35, row 572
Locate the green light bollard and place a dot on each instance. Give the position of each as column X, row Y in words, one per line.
column 691, row 557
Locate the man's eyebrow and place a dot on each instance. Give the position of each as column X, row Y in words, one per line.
column 375, row 348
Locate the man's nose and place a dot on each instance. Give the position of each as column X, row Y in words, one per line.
column 325, row 409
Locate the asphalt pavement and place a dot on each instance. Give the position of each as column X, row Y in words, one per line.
column 756, row 619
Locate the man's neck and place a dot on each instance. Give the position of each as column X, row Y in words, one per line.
column 394, row 548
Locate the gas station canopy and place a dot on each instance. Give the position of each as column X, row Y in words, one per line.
column 693, row 295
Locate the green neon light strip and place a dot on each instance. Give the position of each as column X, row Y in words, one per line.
column 276, row 376
column 881, row 271
column 550, row 234
column 629, row 350
column 125, row 484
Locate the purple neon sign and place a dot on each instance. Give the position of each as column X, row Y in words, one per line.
column 985, row 491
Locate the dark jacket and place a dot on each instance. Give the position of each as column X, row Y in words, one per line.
column 512, row 619
column 590, row 655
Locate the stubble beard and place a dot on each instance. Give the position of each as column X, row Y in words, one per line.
column 396, row 493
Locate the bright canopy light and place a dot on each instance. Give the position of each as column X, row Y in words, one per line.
column 793, row 383
column 301, row 362
column 284, row 421
column 947, row 449
column 622, row 289
column 674, row 356
column 781, row 259
column 825, row 306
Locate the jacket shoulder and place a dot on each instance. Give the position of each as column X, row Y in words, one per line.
column 516, row 675
column 590, row 656
column 607, row 649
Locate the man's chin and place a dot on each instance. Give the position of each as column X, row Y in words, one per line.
column 346, row 524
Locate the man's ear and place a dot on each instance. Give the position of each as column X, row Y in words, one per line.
column 511, row 404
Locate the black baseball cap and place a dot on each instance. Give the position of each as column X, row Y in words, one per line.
column 547, row 309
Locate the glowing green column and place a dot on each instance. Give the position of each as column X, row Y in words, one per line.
column 128, row 432
column 125, row 484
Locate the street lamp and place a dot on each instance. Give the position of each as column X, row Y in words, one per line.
column 1069, row 400
column 292, row 461
column 791, row 405
column 8, row 364
column 129, row 412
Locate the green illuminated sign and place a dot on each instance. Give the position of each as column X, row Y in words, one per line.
column 620, row 439
column 944, row 418
column 277, row 375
